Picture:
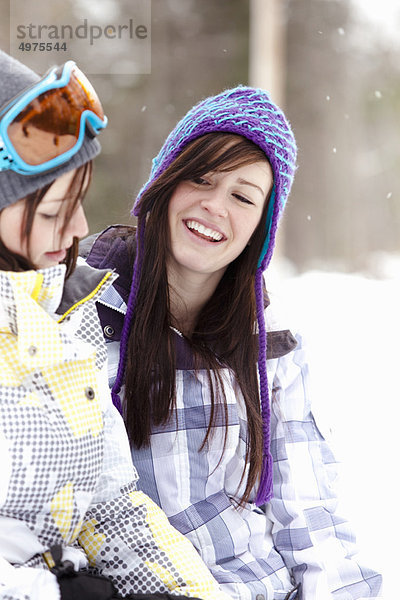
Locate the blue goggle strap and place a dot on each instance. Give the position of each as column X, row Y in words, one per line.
column 9, row 158
column 270, row 211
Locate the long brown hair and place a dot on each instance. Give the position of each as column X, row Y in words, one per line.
column 11, row 261
column 224, row 332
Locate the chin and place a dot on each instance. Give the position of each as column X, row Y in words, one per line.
column 47, row 264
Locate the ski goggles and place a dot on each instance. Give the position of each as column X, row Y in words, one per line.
column 45, row 125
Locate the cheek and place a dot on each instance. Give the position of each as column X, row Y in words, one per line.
column 170, row 226
column 256, row 221
column 246, row 227
column 10, row 232
column 176, row 204
column 43, row 235
column 182, row 198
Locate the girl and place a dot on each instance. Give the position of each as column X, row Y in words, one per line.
column 68, row 498
column 224, row 440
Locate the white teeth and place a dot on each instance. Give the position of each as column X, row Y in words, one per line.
column 215, row 235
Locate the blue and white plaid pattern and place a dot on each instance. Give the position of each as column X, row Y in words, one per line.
column 299, row 538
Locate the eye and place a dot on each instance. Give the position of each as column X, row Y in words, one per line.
column 48, row 217
column 200, row 181
column 242, row 199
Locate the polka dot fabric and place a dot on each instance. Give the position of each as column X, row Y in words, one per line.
column 54, row 430
column 145, row 552
column 67, row 473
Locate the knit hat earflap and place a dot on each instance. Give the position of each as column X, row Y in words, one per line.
column 248, row 112
column 14, row 78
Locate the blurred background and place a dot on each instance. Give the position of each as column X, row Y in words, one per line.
column 333, row 65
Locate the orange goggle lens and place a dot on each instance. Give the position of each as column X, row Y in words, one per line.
column 50, row 125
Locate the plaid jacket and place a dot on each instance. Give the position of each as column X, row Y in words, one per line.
column 298, row 539
column 66, row 472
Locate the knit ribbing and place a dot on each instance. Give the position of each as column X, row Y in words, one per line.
column 264, row 492
column 137, row 271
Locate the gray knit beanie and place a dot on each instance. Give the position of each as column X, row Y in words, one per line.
column 15, row 77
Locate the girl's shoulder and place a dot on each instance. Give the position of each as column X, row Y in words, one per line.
column 114, row 248
column 98, row 246
column 280, row 338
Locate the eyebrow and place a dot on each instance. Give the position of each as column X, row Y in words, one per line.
column 245, row 182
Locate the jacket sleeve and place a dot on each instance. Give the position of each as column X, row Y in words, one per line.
column 197, row 489
column 22, row 583
column 129, row 539
column 316, row 543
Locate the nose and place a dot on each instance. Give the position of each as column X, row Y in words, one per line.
column 78, row 226
column 215, row 203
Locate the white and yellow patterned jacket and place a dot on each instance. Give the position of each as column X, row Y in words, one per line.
column 66, row 475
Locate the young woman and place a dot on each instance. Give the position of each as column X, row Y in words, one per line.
column 68, row 498
column 215, row 396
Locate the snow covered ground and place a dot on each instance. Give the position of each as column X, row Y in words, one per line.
column 352, row 324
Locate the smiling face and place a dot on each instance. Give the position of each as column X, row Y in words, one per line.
column 49, row 238
column 212, row 218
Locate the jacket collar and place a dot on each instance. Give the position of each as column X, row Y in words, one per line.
column 43, row 287
column 47, row 289
column 84, row 283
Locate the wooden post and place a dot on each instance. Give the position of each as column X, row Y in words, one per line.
column 267, row 59
column 267, row 47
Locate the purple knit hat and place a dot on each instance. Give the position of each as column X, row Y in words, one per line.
column 248, row 112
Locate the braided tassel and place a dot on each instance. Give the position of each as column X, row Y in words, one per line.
column 128, row 318
column 264, row 493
